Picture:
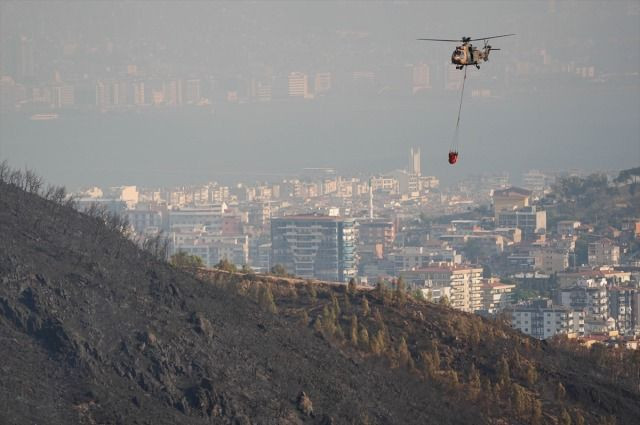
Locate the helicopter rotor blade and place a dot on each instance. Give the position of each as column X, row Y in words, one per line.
column 438, row 39
column 489, row 38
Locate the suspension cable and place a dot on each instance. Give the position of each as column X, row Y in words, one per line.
column 454, row 142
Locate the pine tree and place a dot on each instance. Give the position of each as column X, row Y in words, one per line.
column 365, row 306
column 377, row 343
column 403, row 353
column 304, row 318
column 560, row 391
column 504, row 375
column 311, row 289
column 354, row 330
column 380, row 288
column 347, row 302
column 401, row 293
column 565, row 417
column 435, row 355
column 427, row 364
column 536, row 412
column 338, row 332
column 266, row 300
column 351, row 286
column 328, row 321
column 519, row 402
column 531, row 375
column 364, row 337
column 474, row 381
column 336, row 306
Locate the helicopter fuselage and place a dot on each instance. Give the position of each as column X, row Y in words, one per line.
column 466, row 55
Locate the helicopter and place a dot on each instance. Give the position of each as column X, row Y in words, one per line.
column 466, row 54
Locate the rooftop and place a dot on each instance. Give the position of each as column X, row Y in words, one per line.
column 512, row 192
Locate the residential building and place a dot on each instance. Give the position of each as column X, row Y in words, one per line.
column 298, row 85
column 531, row 221
column 549, row 260
column 375, row 237
column 589, row 295
column 211, row 248
column 612, row 276
column 205, row 216
column 385, row 184
column 496, row 296
column 541, row 319
column 567, row 227
column 145, row 216
column 417, row 257
column 622, row 307
column 464, row 280
column 535, row 181
column 414, row 161
column 603, row 253
column 322, row 82
column 315, row 246
column 510, row 199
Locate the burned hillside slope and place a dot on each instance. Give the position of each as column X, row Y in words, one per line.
column 95, row 330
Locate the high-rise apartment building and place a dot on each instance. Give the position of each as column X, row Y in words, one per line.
column 313, row 246
column 322, row 82
column 172, row 92
column 414, row 161
column 62, row 96
column 192, row 91
column 138, row 93
column 24, row 60
column 298, row 85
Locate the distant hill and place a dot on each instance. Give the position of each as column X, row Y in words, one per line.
column 94, row 330
column 592, row 199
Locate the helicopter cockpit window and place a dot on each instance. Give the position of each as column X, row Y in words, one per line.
column 457, row 54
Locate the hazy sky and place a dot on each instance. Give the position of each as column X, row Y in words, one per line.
column 537, row 116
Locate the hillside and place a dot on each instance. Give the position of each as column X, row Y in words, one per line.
column 594, row 200
column 94, row 330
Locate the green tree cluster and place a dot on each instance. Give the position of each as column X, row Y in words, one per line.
column 184, row 260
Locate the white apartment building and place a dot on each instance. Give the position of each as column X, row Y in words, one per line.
column 465, row 283
column 541, row 319
column 496, row 296
column 298, row 85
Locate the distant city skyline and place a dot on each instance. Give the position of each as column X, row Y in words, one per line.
column 269, row 88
